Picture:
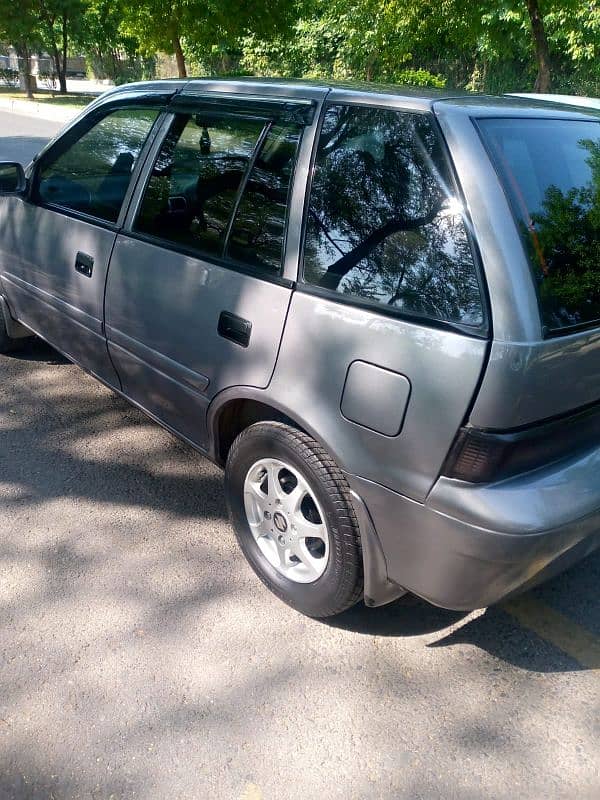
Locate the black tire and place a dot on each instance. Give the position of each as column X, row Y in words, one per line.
column 341, row 584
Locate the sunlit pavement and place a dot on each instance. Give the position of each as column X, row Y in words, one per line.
column 140, row 657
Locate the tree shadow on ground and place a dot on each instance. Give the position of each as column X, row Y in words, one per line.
column 494, row 630
column 177, row 481
column 70, row 456
column 37, row 350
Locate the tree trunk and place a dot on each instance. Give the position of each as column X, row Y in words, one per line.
column 62, row 75
column 370, row 67
column 49, row 19
column 181, row 70
column 226, row 63
column 24, row 62
column 543, row 82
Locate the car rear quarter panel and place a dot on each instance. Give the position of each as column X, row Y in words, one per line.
column 322, row 338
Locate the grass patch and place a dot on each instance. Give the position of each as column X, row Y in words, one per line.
column 50, row 98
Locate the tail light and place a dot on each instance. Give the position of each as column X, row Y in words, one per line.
column 481, row 456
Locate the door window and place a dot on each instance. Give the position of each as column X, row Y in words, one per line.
column 91, row 175
column 258, row 231
column 384, row 223
column 212, row 193
column 192, row 191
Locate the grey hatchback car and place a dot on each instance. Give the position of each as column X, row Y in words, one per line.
column 378, row 310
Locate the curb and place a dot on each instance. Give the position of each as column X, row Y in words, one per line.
column 30, row 108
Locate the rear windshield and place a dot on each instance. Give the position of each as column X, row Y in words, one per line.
column 551, row 171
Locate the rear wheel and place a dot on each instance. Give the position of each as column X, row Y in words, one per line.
column 292, row 512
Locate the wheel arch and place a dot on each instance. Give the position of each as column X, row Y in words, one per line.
column 234, row 410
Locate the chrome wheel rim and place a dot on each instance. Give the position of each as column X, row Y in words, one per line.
column 286, row 520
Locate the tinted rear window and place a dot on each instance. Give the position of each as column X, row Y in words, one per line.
column 551, row 172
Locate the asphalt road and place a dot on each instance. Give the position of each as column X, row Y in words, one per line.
column 140, row 657
column 21, row 137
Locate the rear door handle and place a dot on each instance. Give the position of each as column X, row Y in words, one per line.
column 84, row 264
column 237, row 329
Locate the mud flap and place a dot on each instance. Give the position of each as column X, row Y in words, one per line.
column 379, row 589
column 13, row 328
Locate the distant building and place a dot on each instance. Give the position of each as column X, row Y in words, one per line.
column 42, row 63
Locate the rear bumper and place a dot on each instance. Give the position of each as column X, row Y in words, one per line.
column 470, row 546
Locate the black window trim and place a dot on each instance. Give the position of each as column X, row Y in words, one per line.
column 547, row 333
column 484, row 330
column 222, row 104
column 222, row 260
column 72, row 135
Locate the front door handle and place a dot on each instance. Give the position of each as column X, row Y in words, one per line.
column 84, row 264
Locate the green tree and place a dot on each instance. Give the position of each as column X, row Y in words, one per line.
column 498, row 45
column 58, row 21
column 111, row 52
column 540, row 33
column 19, row 26
column 199, row 25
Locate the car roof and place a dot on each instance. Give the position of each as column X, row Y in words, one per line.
column 563, row 99
column 422, row 98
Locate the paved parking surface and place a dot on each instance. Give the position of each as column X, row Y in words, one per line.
column 140, row 657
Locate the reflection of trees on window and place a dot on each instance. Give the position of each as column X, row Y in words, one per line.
column 550, row 169
column 93, row 174
column 193, row 187
column 257, row 235
column 192, row 195
column 383, row 224
column 568, row 248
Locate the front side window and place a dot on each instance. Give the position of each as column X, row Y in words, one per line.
column 192, row 191
column 384, row 224
column 550, row 169
column 92, row 174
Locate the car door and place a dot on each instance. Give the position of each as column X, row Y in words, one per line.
column 55, row 245
column 196, row 298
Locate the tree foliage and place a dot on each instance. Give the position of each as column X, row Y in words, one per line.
column 196, row 27
column 42, row 24
column 494, row 45
column 19, row 25
column 481, row 45
column 112, row 51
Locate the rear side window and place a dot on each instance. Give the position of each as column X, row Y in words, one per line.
column 220, row 188
column 192, row 190
column 550, row 169
column 91, row 175
column 257, row 235
column 384, row 223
